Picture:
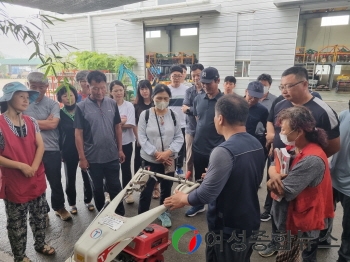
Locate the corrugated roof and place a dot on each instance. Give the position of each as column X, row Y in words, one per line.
column 72, row 6
column 20, row 61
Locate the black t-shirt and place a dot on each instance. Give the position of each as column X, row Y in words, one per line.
column 257, row 113
column 280, row 98
column 67, row 137
column 138, row 110
column 271, row 116
column 326, row 118
column 206, row 137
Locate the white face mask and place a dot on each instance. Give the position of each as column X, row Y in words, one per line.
column 266, row 89
column 161, row 105
column 285, row 141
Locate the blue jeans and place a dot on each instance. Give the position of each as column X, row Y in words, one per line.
column 110, row 172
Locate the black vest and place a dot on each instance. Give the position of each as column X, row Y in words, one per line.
column 237, row 206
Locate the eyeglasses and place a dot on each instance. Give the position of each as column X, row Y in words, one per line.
column 176, row 76
column 289, row 86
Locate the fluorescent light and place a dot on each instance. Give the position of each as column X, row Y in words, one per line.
column 335, row 20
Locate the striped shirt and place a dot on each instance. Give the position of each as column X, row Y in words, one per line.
column 16, row 130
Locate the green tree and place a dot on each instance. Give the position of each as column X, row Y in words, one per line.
column 100, row 61
column 25, row 33
column 53, row 62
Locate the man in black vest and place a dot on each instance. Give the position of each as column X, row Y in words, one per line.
column 231, row 183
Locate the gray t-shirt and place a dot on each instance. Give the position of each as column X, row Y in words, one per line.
column 98, row 124
column 307, row 172
column 216, row 178
column 41, row 111
column 340, row 165
column 191, row 121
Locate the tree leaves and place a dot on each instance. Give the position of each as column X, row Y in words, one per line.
column 100, row 61
column 26, row 33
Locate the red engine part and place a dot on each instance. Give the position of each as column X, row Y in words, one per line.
column 148, row 245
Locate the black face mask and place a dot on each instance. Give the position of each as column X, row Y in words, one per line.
column 71, row 107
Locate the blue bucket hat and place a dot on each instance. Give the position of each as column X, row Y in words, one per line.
column 10, row 88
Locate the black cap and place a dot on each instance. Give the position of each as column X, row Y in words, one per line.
column 256, row 89
column 209, row 74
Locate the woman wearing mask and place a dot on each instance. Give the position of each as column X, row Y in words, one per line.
column 306, row 192
column 161, row 139
column 68, row 98
column 143, row 102
column 22, row 178
column 127, row 115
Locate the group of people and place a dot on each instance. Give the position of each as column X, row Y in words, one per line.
column 220, row 137
column 252, row 127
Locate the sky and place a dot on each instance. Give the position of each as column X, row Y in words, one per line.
column 9, row 46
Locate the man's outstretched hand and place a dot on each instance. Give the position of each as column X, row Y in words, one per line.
column 178, row 200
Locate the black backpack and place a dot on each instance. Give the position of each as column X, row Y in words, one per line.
column 171, row 112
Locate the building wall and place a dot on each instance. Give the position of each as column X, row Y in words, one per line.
column 217, row 42
column 73, row 32
column 259, row 33
column 252, row 30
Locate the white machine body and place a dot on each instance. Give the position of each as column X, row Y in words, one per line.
column 108, row 234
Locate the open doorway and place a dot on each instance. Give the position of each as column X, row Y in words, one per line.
column 169, row 45
column 323, row 47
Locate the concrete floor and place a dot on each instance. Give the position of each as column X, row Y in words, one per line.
column 63, row 235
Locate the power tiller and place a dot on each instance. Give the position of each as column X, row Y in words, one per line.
column 111, row 237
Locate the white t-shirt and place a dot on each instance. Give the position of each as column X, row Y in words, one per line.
column 127, row 110
column 188, row 84
column 176, row 101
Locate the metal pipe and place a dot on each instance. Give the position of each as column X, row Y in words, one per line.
column 180, row 180
column 331, row 75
